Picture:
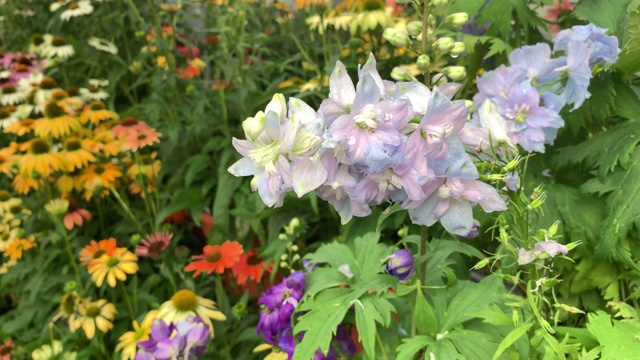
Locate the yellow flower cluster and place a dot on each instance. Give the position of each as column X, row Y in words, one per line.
column 70, row 139
column 12, row 240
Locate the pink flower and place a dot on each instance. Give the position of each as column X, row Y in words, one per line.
column 75, row 216
column 154, row 244
column 554, row 12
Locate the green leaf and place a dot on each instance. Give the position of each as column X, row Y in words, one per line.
column 511, row 338
column 473, row 344
column 597, row 108
column 370, row 254
column 620, row 339
column 499, row 13
column 386, row 213
column 605, row 150
column 627, row 103
column 452, row 279
column 425, row 317
column 323, row 278
column 608, row 14
column 629, row 61
column 473, row 297
column 524, row 14
column 367, row 314
column 411, row 346
column 497, row 46
column 185, row 199
column 227, row 186
column 623, row 209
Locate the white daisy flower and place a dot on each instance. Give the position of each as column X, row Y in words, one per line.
column 9, row 116
column 93, row 93
column 59, row 48
column 75, row 9
column 10, row 95
column 32, row 82
column 102, row 82
column 103, row 45
column 58, row 4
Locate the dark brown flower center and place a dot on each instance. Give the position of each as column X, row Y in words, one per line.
column 93, row 88
column 37, row 39
column 253, row 260
column 93, row 311
column 59, row 95
column 128, row 121
column 99, row 170
column 4, row 114
column 53, row 110
column 97, row 105
column 4, row 195
column 39, row 146
column 21, row 68
column 184, row 300
column 58, row 41
column 48, row 84
column 72, row 144
column 141, row 137
column 98, row 253
column 72, row 90
column 73, row 5
column 213, row 257
column 15, row 209
column 8, row 89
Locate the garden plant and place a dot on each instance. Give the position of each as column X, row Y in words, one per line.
column 317, row 179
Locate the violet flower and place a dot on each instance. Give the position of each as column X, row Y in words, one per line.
column 400, row 264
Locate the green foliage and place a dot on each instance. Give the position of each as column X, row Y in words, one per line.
column 595, row 110
column 618, row 338
column 609, row 14
column 629, row 61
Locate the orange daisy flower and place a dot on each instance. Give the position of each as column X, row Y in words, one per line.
column 141, row 138
column 127, row 126
column 7, row 160
column 17, row 246
column 216, row 258
column 23, row 184
column 113, row 267
column 21, row 127
column 249, row 267
column 77, row 152
column 96, row 249
column 70, row 181
column 100, row 175
column 149, row 167
column 106, row 143
column 75, row 215
column 96, row 112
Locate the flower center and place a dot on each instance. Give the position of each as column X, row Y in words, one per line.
column 15, row 209
column 39, row 147
column 97, row 105
column 4, row 195
column 366, row 119
column 98, row 253
column 37, row 39
column 21, row 68
column 93, row 311
column 184, row 300
column 59, row 95
column 253, row 260
column 58, row 41
column 6, row 350
column 53, row 110
column 9, row 89
column 214, row 257
column 369, row 5
column 26, row 122
column 72, row 90
column 128, row 121
column 141, row 137
column 48, row 84
column 93, row 88
column 74, row 5
column 156, row 247
column 25, row 61
column 113, row 262
column 99, row 170
column 72, row 144
column 67, row 303
column 4, row 114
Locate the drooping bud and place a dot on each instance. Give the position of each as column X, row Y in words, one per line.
column 395, row 37
column 400, row 264
column 455, row 73
column 401, row 74
column 458, row 19
column 444, row 44
column 414, row 28
column 423, row 62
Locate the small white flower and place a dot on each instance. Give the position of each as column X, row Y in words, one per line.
column 58, row 48
column 103, row 45
column 75, row 9
column 93, row 93
column 10, row 95
column 58, row 4
column 99, row 82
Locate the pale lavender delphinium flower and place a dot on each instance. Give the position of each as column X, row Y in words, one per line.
column 185, row 340
column 548, row 248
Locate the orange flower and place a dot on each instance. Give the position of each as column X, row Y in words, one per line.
column 96, row 249
column 21, row 127
column 99, row 175
column 76, row 215
column 249, row 267
column 6, row 350
column 17, row 246
column 127, row 126
column 24, row 184
column 141, row 138
column 216, row 258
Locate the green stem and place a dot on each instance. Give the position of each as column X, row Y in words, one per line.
column 72, row 259
column 125, row 295
column 424, row 236
column 426, row 8
column 133, row 7
column 128, row 211
column 170, row 276
column 381, row 344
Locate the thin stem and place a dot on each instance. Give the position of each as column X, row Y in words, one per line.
column 424, row 236
column 127, row 210
column 381, row 344
column 426, row 8
column 72, row 259
column 132, row 314
column 170, row 276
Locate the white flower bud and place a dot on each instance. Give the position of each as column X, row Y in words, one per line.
column 414, row 28
column 253, row 126
column 401, row 74
column 395, row 37
column 444, row 44
column 458, row 48
column 458, row 19
column 423, row 62
column 455, row 73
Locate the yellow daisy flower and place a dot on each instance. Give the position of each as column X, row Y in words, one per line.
column 7, row 160
column 186, row 302
column 91, row 315
column 24, row 184
column 112, row 267
column 56, row 122
column 96, row 112
column 17, row 246
column 40, row 159
column 107, row 143
column 7, row 201
column 70, row 181
column 140, row 332
column 77, row 152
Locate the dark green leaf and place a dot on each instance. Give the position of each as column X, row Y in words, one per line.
column 425, row 317
column 411, row 346
column 608, row 14
column 629, row 60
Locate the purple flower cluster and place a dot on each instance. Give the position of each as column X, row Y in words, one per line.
column 375, row 142
column 277, row 306
column 520, row 104
column 185, row 340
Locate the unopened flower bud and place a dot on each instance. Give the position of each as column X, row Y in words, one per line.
column 455, row 73
column 395, row 37
column 458, row 19
column 481, row 264
column 401, row 74
column 571, row 309
column 253, row 126
column 414, row 28
column 458, row 48
column 439, row 79
column 439, row 2
column 444, row 44
column 423, row 62
column 135, row 239
column 400, row 264
column 554, row 228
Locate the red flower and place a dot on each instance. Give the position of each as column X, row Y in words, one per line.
column 216, row 258
column 6, row 350
column 250, row 266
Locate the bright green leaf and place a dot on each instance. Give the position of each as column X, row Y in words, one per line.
column 511, row 338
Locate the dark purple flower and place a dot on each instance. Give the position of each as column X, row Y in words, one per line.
column 401, row 264
column 475, row 230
